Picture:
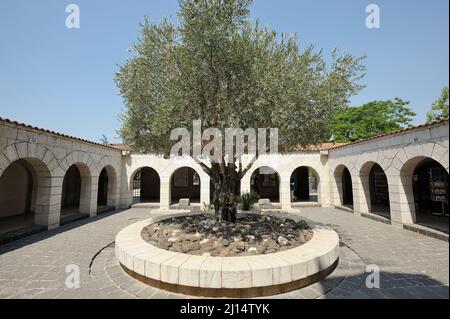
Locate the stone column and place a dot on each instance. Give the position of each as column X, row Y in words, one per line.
column 204, row 189
column 125, row 193
column 48, row 202
column 361, row 193
column 88, row 195
column 285, row 192
column 401, row 200
column 324, row 189
column 165, row 192
column 245, row 183
column 336, row 189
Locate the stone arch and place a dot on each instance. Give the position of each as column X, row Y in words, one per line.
column 266, row 182
column 417, row 197
column 375, row 189
column 107, row 193
column 185, row 182
column 23, row 150
column 145, row 185
column 80, row 158
column 110, row 162
column 305, row 184
column 344, row 186
column 77, row 196
column 26, row 189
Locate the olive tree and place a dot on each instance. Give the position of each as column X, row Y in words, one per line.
column 218, row 66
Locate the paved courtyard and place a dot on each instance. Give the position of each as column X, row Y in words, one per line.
column 412, row 265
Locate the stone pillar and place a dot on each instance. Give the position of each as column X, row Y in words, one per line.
column 165, row 192
column 336, row 188
column 245, row 183
column 361, row 193
column 285, row 192
column 324, row 192
column 125, row 193
column 48, row 202
column 401, row 199
column 204, row 189
column 114, row 192
column 88, row 195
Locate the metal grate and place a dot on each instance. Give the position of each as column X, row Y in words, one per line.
column 137, row 184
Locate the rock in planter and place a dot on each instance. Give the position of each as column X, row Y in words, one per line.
column 195, row 246
column 240, row 245
column 254, row 234
column 282, row 241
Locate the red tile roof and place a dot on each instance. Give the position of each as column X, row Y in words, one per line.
column 122, row 147
column 318, row 147
column 56, row 133
column 331, row 146
column 299, row 148
column 401, row 131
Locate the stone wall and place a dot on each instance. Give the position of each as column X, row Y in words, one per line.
column 398, row 155
column 49, row 155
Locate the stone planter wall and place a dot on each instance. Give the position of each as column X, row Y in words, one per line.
column 250, row 276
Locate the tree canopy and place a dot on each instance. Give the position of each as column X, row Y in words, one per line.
column 220, row 67
column 439, row 109
column 372, row 119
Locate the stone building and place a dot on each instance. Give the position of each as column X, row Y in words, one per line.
column 400, row 178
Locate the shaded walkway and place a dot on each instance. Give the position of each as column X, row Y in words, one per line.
column 412, row 265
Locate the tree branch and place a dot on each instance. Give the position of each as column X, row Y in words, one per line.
column 247, row 168
column 204, row 167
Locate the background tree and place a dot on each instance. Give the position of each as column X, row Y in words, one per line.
column 218, row 66
column 439, row 109
column 371, row 119
column 104, row 139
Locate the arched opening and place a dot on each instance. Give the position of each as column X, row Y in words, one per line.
column 102, row 196
column 75, row 196
column 379, row 192
column 347, row 188
column 18, row 194
column 430, row 188
column 106, row 196
column 185, row 184
column 266, row 183
column 304, row 185
column 146, row 186
column 344, row 186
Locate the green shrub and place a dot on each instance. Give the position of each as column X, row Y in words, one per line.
column 247, row 200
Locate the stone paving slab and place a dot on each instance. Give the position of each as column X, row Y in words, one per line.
column 412, row 265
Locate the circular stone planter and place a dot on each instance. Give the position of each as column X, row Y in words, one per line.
column 249, row 276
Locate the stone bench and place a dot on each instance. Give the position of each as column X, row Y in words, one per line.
column 264, row 203
column 249, row 276
column 184, row 203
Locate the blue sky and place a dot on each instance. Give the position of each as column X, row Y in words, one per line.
column 62, row 79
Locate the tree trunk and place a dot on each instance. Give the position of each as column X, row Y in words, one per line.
column 224, row 198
